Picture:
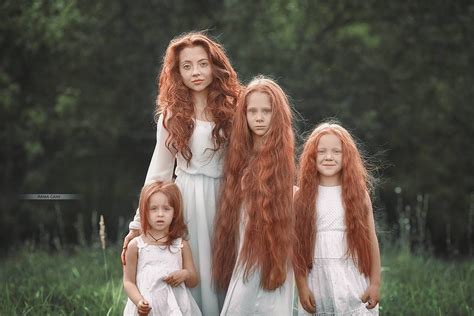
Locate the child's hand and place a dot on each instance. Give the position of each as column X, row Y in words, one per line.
column 307, row 300
column 177, row 277
column 143, row 307
column 371, row 296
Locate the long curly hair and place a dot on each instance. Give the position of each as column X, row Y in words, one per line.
column 178, row 228
column 175, row 100
column 261, row 182
column 355, row 183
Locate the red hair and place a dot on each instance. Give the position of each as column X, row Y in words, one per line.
column 355, row 183
column 178, row 227
column 175, row 99
column 261, row 182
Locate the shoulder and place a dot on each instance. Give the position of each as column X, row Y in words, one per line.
column 134, row 242
column 185, row 245
column 133, row 245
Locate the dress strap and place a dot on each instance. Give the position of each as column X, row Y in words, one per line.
column 177, row 244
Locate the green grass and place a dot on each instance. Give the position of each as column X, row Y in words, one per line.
column 422, row 285
column 79, row 282
column 34, row 282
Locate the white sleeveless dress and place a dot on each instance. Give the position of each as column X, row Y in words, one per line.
column 335, row 281
column 154, row 264
column 199, row 185
column 246, row 297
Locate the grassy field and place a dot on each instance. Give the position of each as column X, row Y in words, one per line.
column 88, row 282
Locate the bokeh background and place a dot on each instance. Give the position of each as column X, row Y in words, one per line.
column 77, row 101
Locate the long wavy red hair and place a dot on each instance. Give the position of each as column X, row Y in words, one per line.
column 178, row 228
column 261, row 182
column 175, row 100
column 355, row 183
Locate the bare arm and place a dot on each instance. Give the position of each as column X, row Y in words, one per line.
column 372, row 294
column 130, row 273
column 188, row 273
column 305, row 294
column 188, row 264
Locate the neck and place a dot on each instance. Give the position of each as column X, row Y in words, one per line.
column 158, row 235
column 200, row 99
column 257, row 142
column 330, row 181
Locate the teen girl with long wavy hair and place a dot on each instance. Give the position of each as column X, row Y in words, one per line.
column 198, row 91
column 337, row 262
column 253, row 235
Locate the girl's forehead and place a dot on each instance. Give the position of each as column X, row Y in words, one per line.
column 329, row 139
column 192, row 53
column 159, row 197
column 258, row 98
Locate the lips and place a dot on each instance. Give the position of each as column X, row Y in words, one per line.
column 197, row 81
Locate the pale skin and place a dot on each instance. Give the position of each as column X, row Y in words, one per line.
column 329, row 160
column 195, row 69
column 160, row 216
column 259, row 116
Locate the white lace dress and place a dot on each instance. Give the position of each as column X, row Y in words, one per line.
column 199, row 185
column 154, row 264
column 335, row 281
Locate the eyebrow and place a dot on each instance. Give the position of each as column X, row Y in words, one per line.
column 200, row 60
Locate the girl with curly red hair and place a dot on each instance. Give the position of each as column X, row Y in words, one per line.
column 337, row 257
column 253, row 234
column 198, row 91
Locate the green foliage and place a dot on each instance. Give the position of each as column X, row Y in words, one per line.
column 77, row 94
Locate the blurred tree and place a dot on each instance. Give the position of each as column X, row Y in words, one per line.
column 78, row 91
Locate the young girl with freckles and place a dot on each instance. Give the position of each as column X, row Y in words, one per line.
column 253, row 231
column 159, row 261
column 337, row 257
column 198, row 90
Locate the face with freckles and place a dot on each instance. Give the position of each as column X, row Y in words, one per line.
column 329, row 159
column 160, row 213
column 195, row 68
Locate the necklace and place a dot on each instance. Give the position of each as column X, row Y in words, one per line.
column 155, row 239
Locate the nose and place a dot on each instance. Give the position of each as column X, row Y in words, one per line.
column 328, row 156
column 196, row 72
column 259, row 117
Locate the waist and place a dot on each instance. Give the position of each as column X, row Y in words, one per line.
column 214, row 173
